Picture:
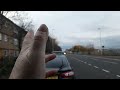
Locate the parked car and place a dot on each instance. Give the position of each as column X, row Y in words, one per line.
column 61, row 64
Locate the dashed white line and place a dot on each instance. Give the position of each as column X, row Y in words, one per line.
column 96, row 67
column 94, row 59
column 117, row 59
column 79, row 60
column 108, row 58
column 118, row 76
column 110, row 62
column 105, row 61
column 76, row 58
column 103, row 58
column 105, row 70
column 89, row 64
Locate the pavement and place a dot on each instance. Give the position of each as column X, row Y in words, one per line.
column 94, row 67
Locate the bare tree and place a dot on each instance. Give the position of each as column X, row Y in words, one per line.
column 90, row 48
column 26, row 25
column 4, row 12
column 50, row 44
column 23, row 20
column 10, row 14
column 20, row 18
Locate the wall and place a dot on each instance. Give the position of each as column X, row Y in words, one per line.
column 7, row 27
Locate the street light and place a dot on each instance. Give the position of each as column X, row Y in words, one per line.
column 100, row 41
column 103, row 50
column 52, row 42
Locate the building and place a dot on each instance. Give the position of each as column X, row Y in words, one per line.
column 11, row 37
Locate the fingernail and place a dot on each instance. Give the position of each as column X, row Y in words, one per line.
column 43, row 28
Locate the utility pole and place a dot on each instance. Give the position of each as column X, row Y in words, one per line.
column 52, row 42
column 100, row 41
column 103, row 50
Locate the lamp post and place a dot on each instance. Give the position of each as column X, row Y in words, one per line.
column 100, row 41
column 52, row 41
column 103, row 50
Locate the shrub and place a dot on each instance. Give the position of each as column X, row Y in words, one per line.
column 6, row 67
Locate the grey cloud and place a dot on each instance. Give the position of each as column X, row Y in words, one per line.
column 82, row 22
column 108, row 42
column 112, row 42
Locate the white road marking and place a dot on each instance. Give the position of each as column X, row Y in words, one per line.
column 110, row 62
column 109, row 58
column 118, row 75
column 117, row 59
column 103, row 58
column 89, row 64
column 77, row 59
column 96, row 67
column 105, row 61
column 94, row 59
column 105, row 70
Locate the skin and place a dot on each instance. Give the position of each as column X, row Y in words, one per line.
column 30, row 63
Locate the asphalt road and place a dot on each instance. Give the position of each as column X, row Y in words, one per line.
column 94, row 67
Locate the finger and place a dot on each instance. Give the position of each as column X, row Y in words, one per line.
column 51, row 73
column 37, row 51
column 40, row 39
column 28, row 39
column 49, row 57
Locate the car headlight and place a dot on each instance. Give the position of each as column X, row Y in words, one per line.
column 64, row 53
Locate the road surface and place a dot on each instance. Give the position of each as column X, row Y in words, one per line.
column 94, row 67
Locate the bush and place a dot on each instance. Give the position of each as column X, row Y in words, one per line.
column 6, row 67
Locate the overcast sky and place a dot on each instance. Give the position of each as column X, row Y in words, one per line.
column 80, row 27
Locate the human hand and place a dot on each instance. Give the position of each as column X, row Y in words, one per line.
column 30, row 63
